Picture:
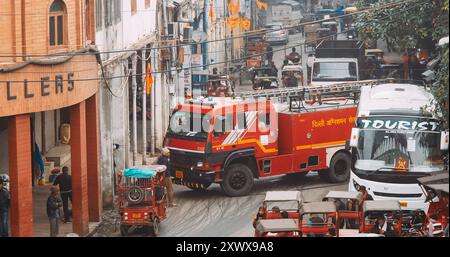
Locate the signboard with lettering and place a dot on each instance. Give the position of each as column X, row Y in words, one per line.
column 37, row 88
column 398, row 123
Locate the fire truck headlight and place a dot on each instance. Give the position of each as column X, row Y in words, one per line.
column 199, row 164
column 125, row 218
column 126, row 214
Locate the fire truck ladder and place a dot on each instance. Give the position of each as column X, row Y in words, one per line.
column 349, row 90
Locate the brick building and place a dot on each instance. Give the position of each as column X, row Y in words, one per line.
column 49, row 77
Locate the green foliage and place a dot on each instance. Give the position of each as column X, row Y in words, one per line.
column 407, row 26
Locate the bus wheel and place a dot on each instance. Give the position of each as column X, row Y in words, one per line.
column 237, row 181
column 339, row 170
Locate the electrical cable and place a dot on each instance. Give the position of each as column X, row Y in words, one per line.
column 245, row 34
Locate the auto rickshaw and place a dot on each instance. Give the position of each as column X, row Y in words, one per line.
column 292, row 75
column 318, row 219
column 280, row 204
column 436, row 190
column 349, row 207
column 390, row 210
column 375, row 54
column 141, row 197
column 220, row 87
column 264, row 78
column 277, row 228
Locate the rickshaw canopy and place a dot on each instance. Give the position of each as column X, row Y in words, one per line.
column 273, row 196
column 373, row 51
column 318, row 207
column 292, row 68
column 350, row 9
column 143, row 172
column 382, row 205
column 277, row 225
column 345, row 195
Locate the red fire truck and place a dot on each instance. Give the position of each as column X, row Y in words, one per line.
column 232, row 141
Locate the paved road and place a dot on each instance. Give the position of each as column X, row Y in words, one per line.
column 212, row 214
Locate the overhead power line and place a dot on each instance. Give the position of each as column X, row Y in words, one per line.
column 244, row 34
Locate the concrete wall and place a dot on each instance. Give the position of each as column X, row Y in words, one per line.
column 118, row 28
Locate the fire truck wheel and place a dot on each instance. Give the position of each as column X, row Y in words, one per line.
column 237, row 181
column 339, row 170
column 124, row 229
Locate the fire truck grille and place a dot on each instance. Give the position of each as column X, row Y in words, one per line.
column 185, row 158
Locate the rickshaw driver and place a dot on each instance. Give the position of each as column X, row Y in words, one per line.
column 383, row 227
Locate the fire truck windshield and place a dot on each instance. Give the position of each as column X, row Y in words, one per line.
column 381, row 150
column 188, row 125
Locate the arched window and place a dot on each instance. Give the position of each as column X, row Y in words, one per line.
column 57, row 22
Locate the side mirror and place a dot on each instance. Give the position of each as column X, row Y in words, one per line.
column 444, row 140
column 354, row 137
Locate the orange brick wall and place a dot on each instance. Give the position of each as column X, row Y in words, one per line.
column 34, row 16
column 19, row 150
column 93, row 158
column 80, row 209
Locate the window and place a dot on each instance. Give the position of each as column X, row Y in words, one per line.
column 224, row 124
column 133, row 7
column 57, row 22
column 98, row 14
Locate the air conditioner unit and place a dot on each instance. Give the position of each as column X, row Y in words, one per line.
column 187, row 34
column 172, row 30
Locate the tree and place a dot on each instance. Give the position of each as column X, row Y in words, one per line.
column 411, row 25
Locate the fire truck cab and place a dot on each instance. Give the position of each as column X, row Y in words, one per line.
column 233, row 141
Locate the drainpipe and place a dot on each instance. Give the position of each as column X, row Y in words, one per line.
column 144, row 109
column 134, row 89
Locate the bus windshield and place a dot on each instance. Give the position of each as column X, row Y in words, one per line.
column 382, row 146
column 190, row 125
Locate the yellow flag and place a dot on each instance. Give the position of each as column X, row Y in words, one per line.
column 211, row 12
column 261, row 5
column 148, row 79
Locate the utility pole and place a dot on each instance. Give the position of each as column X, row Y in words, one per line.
column 134, row 89
column 225, row 12
column 144, row 109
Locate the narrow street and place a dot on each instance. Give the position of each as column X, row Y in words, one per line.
column 212, row 214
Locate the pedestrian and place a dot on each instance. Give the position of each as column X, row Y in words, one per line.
column 269, row 51
column 53, row 211
column 64, row 181
column 164, row 159
column 5, row 200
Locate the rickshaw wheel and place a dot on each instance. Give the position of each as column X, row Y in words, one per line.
column 155, row 227
column 124, row 229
